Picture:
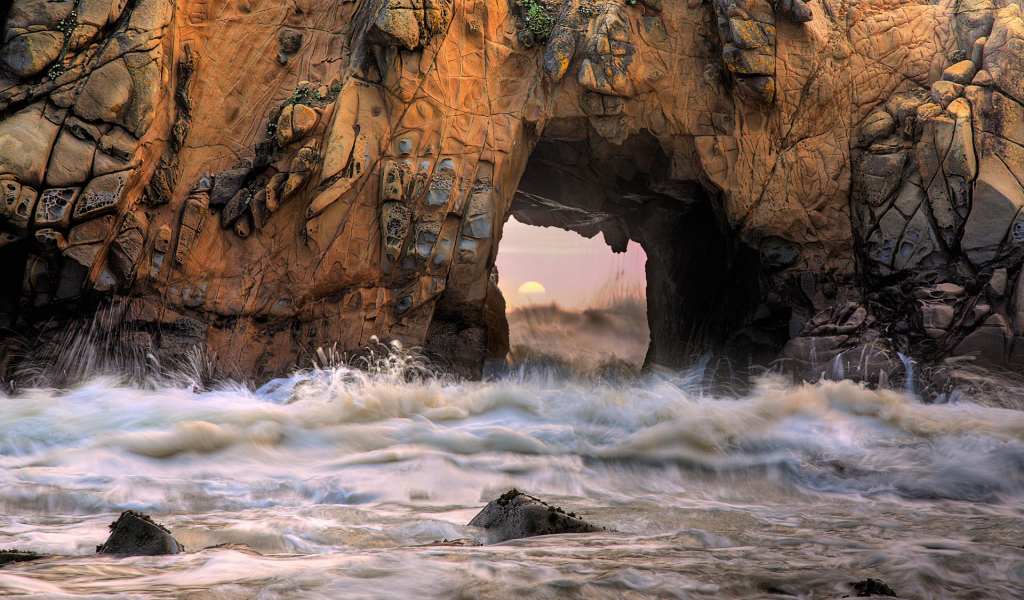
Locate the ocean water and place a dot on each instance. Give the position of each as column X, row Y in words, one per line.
column 333, row 484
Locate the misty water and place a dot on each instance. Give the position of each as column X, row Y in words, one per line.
column 333, row 484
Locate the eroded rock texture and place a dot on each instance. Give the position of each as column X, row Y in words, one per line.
column 827, row 181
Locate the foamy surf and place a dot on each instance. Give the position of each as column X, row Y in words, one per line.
column 334, row 478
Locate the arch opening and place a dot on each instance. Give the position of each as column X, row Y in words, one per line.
column 706, row 292
column 572, row 300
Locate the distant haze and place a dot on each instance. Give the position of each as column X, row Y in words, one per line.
column 571, row 268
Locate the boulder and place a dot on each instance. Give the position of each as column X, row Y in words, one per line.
column 962, row 72
column 70, row 162
column 106, row 93
column 226, row 184
column 101, row 195
column 30, row 53
column 135, row 534
column 944, row 92
column 989, row 343
column 516, row 515
column 1003, row 56
column 878, row 124
column 872, row 587
column 55, row 206
column 13, row 556
column 997, row 199
column 26, row 138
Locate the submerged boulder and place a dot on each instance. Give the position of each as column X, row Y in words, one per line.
column 13, row 556
column 460, row 542
column 135, row 534
column 872, row 587
column 516, row 515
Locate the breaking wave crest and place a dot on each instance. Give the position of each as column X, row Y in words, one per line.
column 338, row 461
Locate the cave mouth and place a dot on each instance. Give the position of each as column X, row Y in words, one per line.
column 572, row 300
column 705, row 291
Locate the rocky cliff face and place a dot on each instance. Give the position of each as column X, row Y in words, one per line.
column 830, row 182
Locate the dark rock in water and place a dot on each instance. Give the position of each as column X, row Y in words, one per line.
column 135, row 534
column 13, row 556
column 458, row 542
column 517, row 515
column 872, row 587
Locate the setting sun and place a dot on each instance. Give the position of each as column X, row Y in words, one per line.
column 531, row 287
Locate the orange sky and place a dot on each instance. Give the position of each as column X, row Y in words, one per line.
column 570, row 267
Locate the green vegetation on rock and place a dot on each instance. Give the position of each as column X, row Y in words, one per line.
column 538, row 17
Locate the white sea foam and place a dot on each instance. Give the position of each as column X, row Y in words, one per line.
column 338, row 474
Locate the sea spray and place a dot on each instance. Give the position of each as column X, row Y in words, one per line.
column 337, row 473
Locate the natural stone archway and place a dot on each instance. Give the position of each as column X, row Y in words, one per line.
column 702, row 288
column 266, row 178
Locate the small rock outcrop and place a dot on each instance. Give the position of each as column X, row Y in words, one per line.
column 13, row 556
column 516, row 515
column 459, row 543
column 135, row 534
column 872, row 587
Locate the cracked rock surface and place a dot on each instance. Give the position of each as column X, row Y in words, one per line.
column 262, row 179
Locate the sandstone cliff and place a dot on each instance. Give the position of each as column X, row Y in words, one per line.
column 829, row 181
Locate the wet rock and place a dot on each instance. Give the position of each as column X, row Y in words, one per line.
column 872, row 587
column 181, row 335
column 941, row 291
column 936, row 319
column 996, row 286
column 13, row 556
column 126, row 250
column 814, row 350
column 516, row 515
column 989, row 343
column 135, row 534
column 461, row 542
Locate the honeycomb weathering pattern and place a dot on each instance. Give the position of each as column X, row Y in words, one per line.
column 268, row 177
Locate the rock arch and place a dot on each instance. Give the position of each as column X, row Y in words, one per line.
column 267, row 178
